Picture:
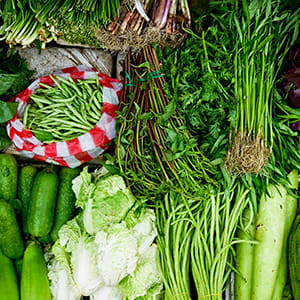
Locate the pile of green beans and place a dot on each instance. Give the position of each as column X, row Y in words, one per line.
column 64, row 111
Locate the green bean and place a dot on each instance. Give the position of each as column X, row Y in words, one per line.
column 72, row 84
column 88, row 80
column 25, row 114
column 46, row 86
column 70, row 123
column 77, row 103
column 68, row 109
column 88, row 89
column 39, row 99
column 92, row 119
column 66, row 90
column 94, row 115
column 98, row 104
column 76, row 114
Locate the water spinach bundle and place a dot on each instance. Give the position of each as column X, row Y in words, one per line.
column 265, row 31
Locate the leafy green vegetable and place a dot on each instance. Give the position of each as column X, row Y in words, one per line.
column 105, row 252
column 14, row 77
column 103, row 201
column 144, row 282
column 81, row 251
column 14, row 73
column 7, row 110
column 199, row 79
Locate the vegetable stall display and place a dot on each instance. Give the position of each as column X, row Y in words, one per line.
column 197, row 196
column 113, row 25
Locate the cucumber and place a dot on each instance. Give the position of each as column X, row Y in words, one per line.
column 65, row 206
column 8, row 177
column 9, row 286
column 46, row 239
column 42, row 203
column 11, row 241
column 25, row 184
column 34, row 279
column 18, row 266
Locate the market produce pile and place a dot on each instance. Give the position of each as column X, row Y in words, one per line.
column 197, row 195
column 111, row 24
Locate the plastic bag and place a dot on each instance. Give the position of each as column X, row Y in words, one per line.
column 81, row 149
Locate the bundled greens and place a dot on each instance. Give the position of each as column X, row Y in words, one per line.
column 39, row 22
column 264, row 34
column 146, row 22
column 114, row 25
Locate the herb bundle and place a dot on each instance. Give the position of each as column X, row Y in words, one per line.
column 145, row 22
column 154, row 140
column 264, row 33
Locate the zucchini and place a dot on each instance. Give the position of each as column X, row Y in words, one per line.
column 9, row 285
column 8, row 177
column 42, row 203
column 34, row 279
column 25, row 183
column 11, row 241
column 65, row 206
column 294, row 258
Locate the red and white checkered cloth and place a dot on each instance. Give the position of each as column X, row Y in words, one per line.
column 81, row 149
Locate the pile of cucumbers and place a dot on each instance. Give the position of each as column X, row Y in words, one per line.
column 34, row 203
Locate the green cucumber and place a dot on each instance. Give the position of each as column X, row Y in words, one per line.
column 42, row 203
column 8, row 177
column 18, row 266
column 9, row 285
column 34, row 279
column 25, row 184
column 45, row 239
column 11, row 241
column 65, row 206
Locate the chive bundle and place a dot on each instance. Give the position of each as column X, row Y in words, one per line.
column 64, row 111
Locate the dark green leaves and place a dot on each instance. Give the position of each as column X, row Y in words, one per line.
column 7, row 111
column 14, row 77
column 14, row 74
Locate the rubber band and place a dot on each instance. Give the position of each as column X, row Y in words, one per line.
column 187, row 296
column 151, row 75
column 210, row 295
